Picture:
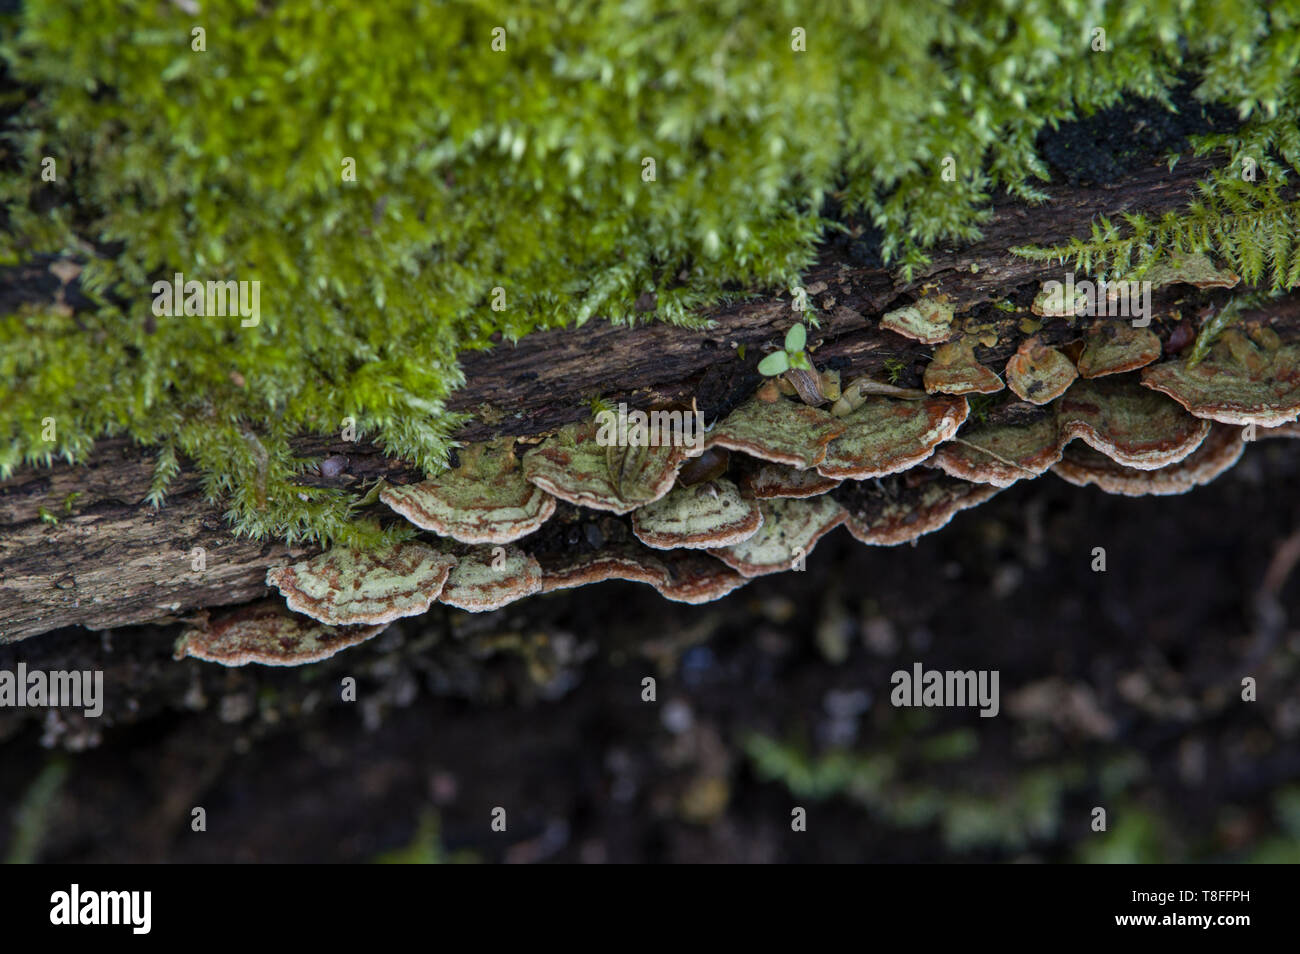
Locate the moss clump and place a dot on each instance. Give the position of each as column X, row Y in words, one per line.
column 501, row 185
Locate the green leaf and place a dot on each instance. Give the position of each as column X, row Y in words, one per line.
column 800, row 360
column 775, row 363
column 796, row 338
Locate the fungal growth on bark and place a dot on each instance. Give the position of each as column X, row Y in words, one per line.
column 884, row 436
column 345, row 586
column 576, row 466
column 267, row 633
column 790, row 530
column 1241, row 381
column 928, row 321
column 782, row 432
column 713, row 514
column 1114, row 347
column 619, row 415
column 484, row 500
column 907, row 507
column 954, row 370
column 488, row 578
column 1039, row 374
column 1222, row 447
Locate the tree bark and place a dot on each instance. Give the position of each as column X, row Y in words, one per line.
column 112, row 560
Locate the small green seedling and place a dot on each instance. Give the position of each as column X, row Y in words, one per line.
column 779, row 362
column 894, row 368
column 47, row 517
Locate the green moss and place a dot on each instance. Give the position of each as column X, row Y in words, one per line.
column 500, row 192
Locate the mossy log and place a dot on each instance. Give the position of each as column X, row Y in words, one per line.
column 79, row 545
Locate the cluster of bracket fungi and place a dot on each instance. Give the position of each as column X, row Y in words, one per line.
column 518, row 518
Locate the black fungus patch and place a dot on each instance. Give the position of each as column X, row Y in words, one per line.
column 1114, row 142
column 858, row 243
column 575, row 530
column 724, row 386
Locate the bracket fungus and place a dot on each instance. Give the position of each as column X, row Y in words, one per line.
column 484, row 500
column 267, row 633
column 688, row 577
column 1119, row 418
column 774, row 477
column 1112, row 415
column 765, row 480
column 928, row 321
column 790, row 530
column 1221, row 449
column 1190, row 269
column 574, row 466
column 566, row 571
column 1114, row 347
column 696, row 578
column 884, row 436
column 954, row 370
column 1239, row 382
column 782, row 432
column 705, row 515
column 1050, row 302
column 488, row 578
column 1002, row 452
column 1038, row 373
column 905, row 508
column 345, row 586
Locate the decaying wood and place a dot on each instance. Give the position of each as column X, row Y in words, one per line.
column 111, row 559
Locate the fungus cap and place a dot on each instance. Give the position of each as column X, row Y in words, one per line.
column 576, row 466
column 766, row 480
column 1114, row 347
column 1050, row 302
column 783, row 432
column 954, row 370
column 1038, row 373
column 884, row 436
column 712, row 514
column 696, row 578
column 633, row 562
column 1220, row 450
column 909, row 508
column 488, row 578
column 484, row 500
column 267, row 633
column 1128, row 423
column 928, row 321
column 1002, row 452
column 345, row 586
column 1190, row 269
column 1237, row 382
column 790, row 530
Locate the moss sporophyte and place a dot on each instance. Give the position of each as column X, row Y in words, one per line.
column 489, row 183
